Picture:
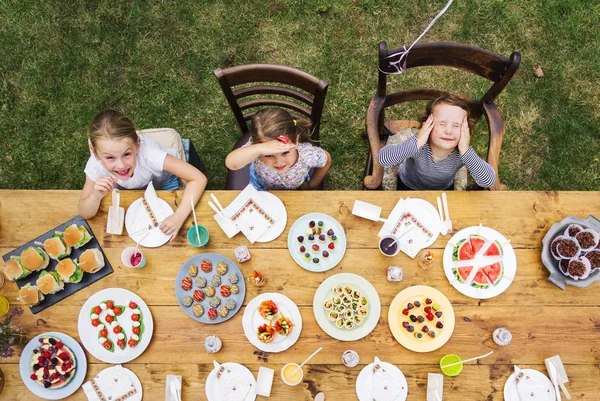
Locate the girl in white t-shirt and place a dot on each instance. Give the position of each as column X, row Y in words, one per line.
column 122, row 159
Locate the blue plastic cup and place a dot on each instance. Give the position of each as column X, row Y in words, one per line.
column 193, row 237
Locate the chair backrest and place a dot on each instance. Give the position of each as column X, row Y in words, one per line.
column 305, row 100
column 494, row 67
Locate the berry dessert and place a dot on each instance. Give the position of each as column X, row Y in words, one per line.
column 576, row 251
column 422, row 318
column 52, row 364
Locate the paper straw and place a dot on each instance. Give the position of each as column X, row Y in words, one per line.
column 468, row 360
column 195, row 221
column 306, row 360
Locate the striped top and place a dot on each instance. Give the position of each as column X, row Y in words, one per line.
column 419, row 171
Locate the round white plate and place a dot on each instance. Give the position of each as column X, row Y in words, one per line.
column 133, row 377
column 156, row 238
column 252, row 319
column 277, row 228
column 511, row 392
column 65, row 391
column 89, row 334
column 212, row 390
column 364, row 381
column 427, row 214
column 299, row 228
column 509, row 259
column 325, row 291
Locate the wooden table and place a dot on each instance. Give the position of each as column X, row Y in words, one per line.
column 544, row 320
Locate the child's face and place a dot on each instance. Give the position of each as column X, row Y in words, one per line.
column 117, row 156
column 281, row 162
column 447, row 126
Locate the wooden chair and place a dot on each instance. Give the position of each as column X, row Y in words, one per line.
column 494, row 67
column 306, row 100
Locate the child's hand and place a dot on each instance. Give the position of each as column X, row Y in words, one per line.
column 465, row 137
column 274, row 147
column 103, row 186
column 171, row 225
column 425, row 130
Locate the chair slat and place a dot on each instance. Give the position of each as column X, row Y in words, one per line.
column 277, row 103
column 243, row 74
column 273, row 90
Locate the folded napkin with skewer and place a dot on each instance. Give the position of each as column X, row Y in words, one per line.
column 111, row 384
column 149, row 216
column 385, row 388
column 401, row 220
column 232, row 385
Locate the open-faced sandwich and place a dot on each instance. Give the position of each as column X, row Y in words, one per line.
column 91, row 260
column 76, row 236
column 69, row 271
column 56, row 248
column 268, row 309
column 34, row 258
column 50, row 283
column 30, row 295
column 14, row 270
column 265, row 333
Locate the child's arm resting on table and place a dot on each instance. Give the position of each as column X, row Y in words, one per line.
column 318, row 174
column 245, row 155
column 196, row 182
column 92, row 194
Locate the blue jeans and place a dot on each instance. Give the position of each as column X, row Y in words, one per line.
column 171, row 184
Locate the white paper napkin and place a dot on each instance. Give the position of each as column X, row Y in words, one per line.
column 232, row 385
column 435, row 386
column 385, row 388
column 402, row 219
column 529, row 388
column 111, row 384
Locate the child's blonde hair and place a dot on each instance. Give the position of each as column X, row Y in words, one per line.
column 112, row 125
column 268, row 124
column 449, row 100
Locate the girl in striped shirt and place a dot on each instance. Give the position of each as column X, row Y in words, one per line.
column 431, row 158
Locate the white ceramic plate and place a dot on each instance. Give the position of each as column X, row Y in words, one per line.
column 89, row 334
column 364, row 381
column 511, row 392
column 277, row 228
column 65, row 391
column 212, row 390
column 134, row 379
column 252, row 319
column 509, row 259
column 156, row 238
column 325, row 291
column 299, row 229
column 423, row 211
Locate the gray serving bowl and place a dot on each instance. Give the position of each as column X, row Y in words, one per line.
column 556, row 276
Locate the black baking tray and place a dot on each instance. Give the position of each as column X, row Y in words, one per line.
column 70, row 288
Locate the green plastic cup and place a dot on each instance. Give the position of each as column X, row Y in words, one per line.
column 193, row 237
column 451, row 370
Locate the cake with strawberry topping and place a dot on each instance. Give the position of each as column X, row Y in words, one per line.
column 52, row 364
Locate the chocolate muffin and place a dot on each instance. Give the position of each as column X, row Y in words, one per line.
column 579, row 268
column 564, row 266
column 554, row 245
column 573, row 230
column 567, row 248
column 587, row 239
column 594, row 258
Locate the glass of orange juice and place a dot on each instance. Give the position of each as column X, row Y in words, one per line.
column 291, row 375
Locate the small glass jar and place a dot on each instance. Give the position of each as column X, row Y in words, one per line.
column 427, row 259
column 256, row 279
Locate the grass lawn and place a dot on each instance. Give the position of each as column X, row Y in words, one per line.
column 61, row 62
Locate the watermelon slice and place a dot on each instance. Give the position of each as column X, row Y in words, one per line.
column 494, row 250
column 494, row 272
column 462, row 273
column 463, row 251
column 479, row 281
column 477, row 242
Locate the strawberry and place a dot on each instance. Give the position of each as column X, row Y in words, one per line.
column 59, row 345
column 425, row 329
column 439, row 325
column 427, row 309
column 33, row 377
column 428, row 301
column 429, row 316
column 331, row 246
column 405, row 311
column 315, row 248
column 65, row 356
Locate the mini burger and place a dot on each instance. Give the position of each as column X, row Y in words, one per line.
column 76, row 236
column 14, row 270
column 34, row 259
column 50, row 283
column 91, row 260
column 56, row 248
column 30, row 295
column 69, row 271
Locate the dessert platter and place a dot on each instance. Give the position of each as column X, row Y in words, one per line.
column 272, row 322
column 528, row 384
column 377, row 376
column 421, row 318
column 346, row 307
column 56, row 264
column 53, row 366
column 571, row 252
column 479, row 262
column 317, row 242
column 115, row 325
column 226, row 377
column 210, row 288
